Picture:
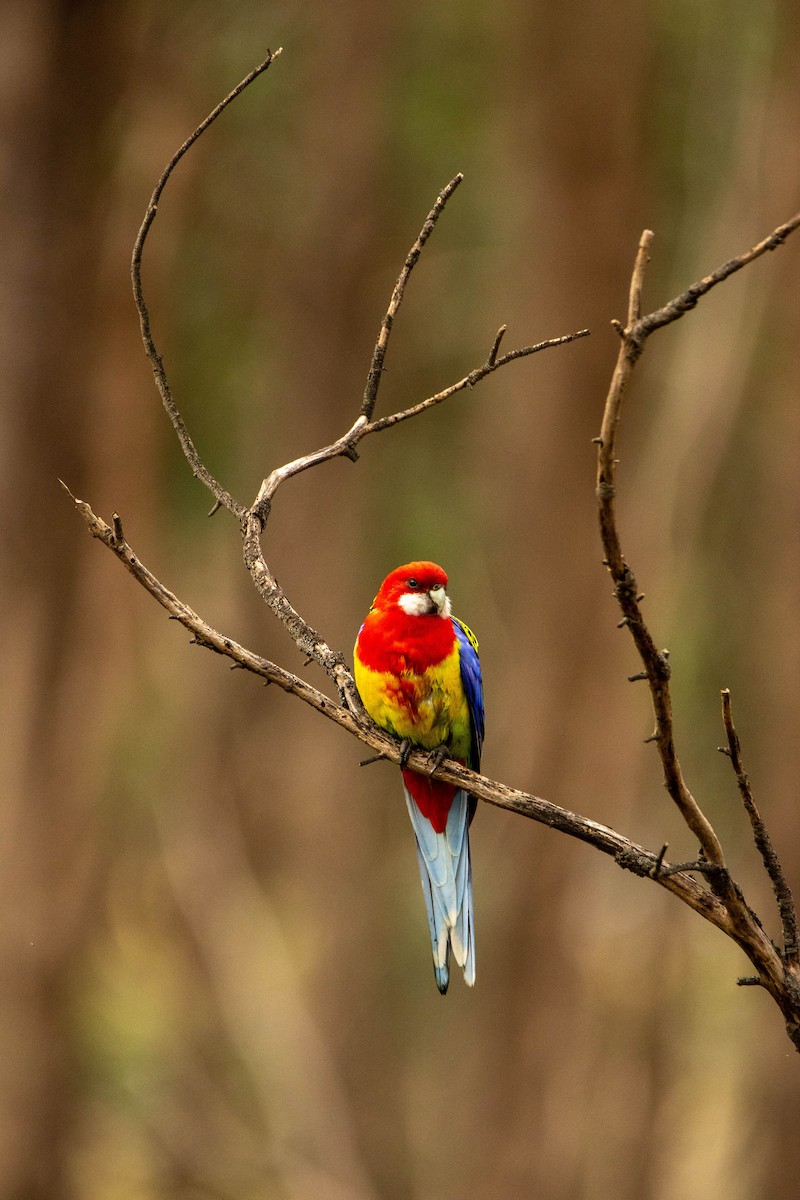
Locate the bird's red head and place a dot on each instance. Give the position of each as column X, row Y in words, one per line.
column 414, row 579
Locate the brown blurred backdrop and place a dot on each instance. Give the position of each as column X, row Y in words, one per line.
column 216, row 978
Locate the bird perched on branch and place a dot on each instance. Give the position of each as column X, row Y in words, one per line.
column 419, row 676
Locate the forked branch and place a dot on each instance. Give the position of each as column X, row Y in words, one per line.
column 655, row 661
column 715, row 895
column 777, row 968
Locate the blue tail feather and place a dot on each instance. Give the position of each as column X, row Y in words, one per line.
column 446, row 874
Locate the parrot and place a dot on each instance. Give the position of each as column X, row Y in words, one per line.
column 419, row 677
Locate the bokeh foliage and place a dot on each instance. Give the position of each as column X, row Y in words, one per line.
column 216, row 976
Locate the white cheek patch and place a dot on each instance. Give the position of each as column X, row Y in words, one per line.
column 422, row 604
column 416, row 604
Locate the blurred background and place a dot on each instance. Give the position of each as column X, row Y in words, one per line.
column 216, row 977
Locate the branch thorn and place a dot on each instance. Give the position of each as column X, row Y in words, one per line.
column 658, row 864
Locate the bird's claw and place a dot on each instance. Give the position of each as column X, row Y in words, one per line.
column 436, row 758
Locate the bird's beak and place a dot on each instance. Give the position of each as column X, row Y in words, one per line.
column 438, row 598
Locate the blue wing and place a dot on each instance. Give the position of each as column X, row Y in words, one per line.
column 473, row 687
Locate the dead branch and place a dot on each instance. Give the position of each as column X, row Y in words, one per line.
column 628, row 854
column 655, row 661
column 715, row 895
column 777, row 969
column 199, row 469
column 379, row 353
column 772, row 864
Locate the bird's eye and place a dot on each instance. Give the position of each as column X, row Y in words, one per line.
column 413, row 583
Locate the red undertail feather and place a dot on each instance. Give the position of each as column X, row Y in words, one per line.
column 433, row 797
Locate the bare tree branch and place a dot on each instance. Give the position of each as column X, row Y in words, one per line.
column 628, row 854
column 772, row 864
column 351, row 717
column 715, row 896
column 379, row 353
column 344, row 447
column 687, row 300
column 777, row 971
column 199, row 469
column 655, row 661
column 492, row 363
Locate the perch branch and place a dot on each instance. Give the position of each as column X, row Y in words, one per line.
column 626, row 853
column 350, row 716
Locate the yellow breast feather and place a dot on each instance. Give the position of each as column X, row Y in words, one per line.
column 427, row 709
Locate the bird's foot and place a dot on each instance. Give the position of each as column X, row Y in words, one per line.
column 436, row 758
column 406, row 749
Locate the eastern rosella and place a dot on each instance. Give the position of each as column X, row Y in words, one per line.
column 418, row 674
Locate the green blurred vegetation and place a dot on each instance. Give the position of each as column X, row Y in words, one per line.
column 216, row 976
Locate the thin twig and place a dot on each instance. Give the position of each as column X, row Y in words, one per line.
column 637, row 277
column 469, row 381
column 379, row 353
column 498, row 337
column 203, row 634
column 198, row 467
column 772, row 864
column 688, row 299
